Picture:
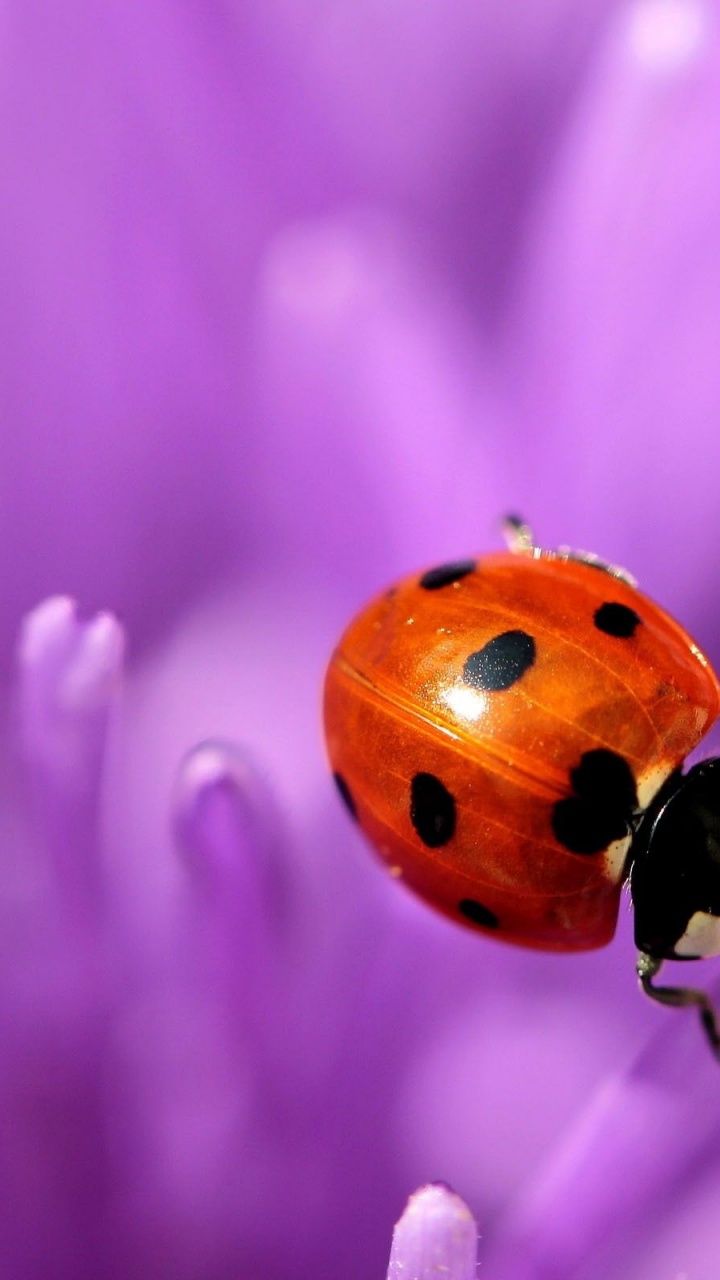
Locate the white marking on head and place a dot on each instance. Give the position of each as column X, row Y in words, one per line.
column 615, row 857
column 701, row 938
column 651, row 782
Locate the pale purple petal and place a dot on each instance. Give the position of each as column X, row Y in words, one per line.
column 616, row 339
column 644, row 1134
column 260, row 355
column 228, row 833
column 446, row 113
column 69, row 679
column 436, row 1236
column 396, row 441
column 508, row 1073
column 683, row 1239
column 223, row 819
column 134, row 235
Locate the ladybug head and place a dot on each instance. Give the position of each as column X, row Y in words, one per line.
column 675, row 876
column 675, row 885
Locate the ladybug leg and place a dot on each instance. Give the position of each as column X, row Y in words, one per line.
column 680, row 997
column 519, row 538
column 518, row 535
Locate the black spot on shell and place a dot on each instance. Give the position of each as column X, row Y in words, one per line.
column 501, row 662
column 445, row 574
column 432, row 810
column 602, row 806
column 345, row 795
column 478, row 914
column 616, row 620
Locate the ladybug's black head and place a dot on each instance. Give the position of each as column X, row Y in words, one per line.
column 675, row 876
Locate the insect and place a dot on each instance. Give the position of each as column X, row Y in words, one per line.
column 510, row 732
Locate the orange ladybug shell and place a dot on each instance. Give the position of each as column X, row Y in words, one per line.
column 496, row 726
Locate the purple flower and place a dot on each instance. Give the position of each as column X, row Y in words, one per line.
column 299, row 297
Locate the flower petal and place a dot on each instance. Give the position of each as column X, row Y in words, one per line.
column 642, row 1135
column 69, row 677
column 618, row 341
column 436, row 1236
column 225, row 828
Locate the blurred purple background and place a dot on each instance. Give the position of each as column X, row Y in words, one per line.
column 298, row 296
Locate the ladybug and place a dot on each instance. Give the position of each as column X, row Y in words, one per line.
column 509, row 732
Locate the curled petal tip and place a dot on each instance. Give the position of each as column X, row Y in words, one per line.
column 68, row 662
column 218, row 808
column 93, row 676
column 69, row 670
column 209, row 764
column 436, row 1236
column 44, row 628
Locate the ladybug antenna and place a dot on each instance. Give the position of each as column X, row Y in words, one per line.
column 518, row 534
column 679, row 997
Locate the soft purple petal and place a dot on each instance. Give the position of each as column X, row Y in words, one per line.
column 223, row 819
column 635, row 1146
column 469, row 1087
column 683, row 1239
column 260, row 356
column 70, row 672
column 134, row 236
column 396, row 439
column 436, row 1236
column 616, row 342
column 446, row 113
column 228, row 834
